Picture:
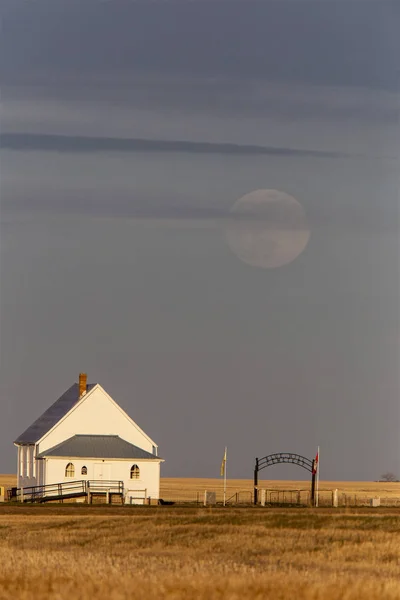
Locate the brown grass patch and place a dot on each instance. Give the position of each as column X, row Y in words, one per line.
column 176, row 486
column 193, row 489
column 8, row 481
column 198, row 553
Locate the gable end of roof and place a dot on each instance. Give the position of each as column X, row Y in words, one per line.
column 52, row 415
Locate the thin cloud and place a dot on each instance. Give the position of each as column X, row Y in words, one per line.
column 66, row 143
column 365, row 220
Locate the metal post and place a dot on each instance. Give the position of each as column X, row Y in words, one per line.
column 313, row 484
column 225, row 456
column 256, row 482
column 317, row 492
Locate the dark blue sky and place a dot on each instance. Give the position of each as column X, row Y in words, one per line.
column 113, row 255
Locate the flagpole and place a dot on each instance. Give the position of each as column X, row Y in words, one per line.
column 225, row 477
column 317, row 494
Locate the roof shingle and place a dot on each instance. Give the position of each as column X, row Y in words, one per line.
column 52, row 415
column 97, row 446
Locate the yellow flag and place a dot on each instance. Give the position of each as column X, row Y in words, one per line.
column 223, row 464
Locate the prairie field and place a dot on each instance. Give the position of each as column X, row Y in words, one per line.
column 178, row 487
column 8, row 480
column 153, row 552
column 239, row 491
column 191, row 489
column 59, row 551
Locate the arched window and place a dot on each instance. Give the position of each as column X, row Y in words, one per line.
column 84, row 471
column 70, row 470
column 135, row 472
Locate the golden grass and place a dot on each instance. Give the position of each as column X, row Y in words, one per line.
column 8, row 480
column 233, row 485
column 192, row 488
column 86, row 552
column 349, row 487
column 180, row 488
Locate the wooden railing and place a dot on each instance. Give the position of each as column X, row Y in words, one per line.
column 103, row 486
column 67, row 489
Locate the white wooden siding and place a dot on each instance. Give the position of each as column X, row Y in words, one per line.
column 96, row 414
column 118, row 470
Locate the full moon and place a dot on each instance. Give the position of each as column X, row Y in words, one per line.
column 267, row 229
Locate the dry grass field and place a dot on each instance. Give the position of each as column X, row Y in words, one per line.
column 176, row 488
column 62, row 551
column 154, row 553
column 8, row 480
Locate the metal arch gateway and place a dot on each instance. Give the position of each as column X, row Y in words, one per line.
column 285, row 457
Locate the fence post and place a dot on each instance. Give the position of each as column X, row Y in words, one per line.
column 335, row 498
column 205, row 497
column 262, row 497
column 22, row 494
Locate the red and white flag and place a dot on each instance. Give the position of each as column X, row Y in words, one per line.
column 315, row 466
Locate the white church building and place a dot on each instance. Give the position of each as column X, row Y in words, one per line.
column 85, row 435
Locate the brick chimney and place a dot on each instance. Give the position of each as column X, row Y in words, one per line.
column 82, row 384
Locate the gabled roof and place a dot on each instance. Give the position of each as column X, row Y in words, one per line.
column 97, row 446
column 52, row 415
